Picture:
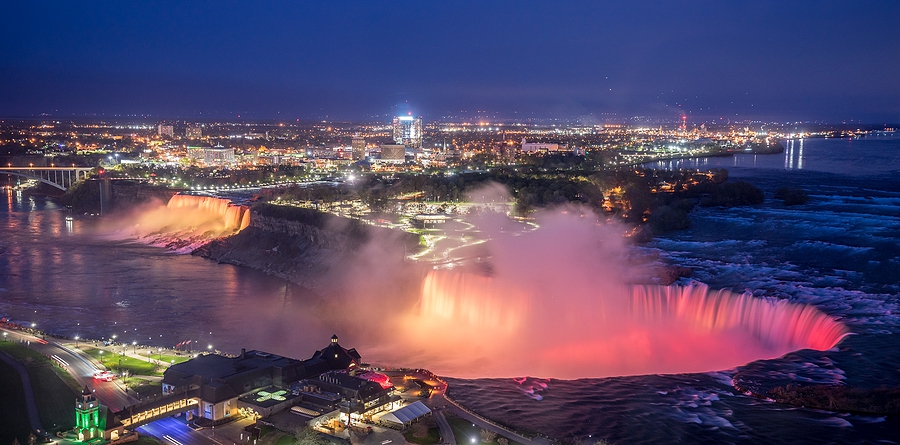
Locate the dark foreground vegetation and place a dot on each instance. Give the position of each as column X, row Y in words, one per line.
column 54, row 390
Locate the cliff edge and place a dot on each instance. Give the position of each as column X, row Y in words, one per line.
column 304, row 246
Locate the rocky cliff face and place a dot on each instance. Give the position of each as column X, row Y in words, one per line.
column 312, row 255
column 127, row 194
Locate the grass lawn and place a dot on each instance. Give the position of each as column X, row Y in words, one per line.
column 12, row 408
column 265, row 429
column 465, row 432
column 119, row 362
column 144, row 387
column 433, row 436
column 285, row 439
column 167, row 358
column 54, row 389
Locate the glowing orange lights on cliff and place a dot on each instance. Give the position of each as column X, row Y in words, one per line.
column 234, row 216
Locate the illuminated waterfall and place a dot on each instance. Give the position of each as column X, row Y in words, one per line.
column 780, row 324
column 235, row 217
column 600, row 331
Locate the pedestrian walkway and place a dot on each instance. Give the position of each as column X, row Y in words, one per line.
column 447, row 435
column 464, row 413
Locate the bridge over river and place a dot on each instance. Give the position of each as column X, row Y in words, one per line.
column 59, row 177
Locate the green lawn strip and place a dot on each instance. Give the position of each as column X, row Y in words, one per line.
column 55, row 397
column 465, row 432
column 433, row 437
column 118, row 362
column 144, row 387
column 12, row 406
column 170, row 359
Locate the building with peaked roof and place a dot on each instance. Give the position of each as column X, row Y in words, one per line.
column 219, row 381
column 336, row 356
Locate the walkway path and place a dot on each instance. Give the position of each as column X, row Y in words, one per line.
column 447, row 435
column 490, row 426
column 33, row 416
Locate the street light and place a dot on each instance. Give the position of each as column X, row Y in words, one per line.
column 76, row 342
column 134, row 344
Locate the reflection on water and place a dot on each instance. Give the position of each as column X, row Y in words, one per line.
column 54, row 273
column 862, row 156
column 790, row 157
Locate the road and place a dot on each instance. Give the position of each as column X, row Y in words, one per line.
column 174, row 431
column 110, row 394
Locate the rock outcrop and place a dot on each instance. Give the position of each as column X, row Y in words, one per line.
column 306, row 247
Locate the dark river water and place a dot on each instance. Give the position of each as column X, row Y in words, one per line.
column 839, row 252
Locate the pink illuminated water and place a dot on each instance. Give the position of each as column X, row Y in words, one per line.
column 506, row 329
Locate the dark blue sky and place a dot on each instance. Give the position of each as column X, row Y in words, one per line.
column 797, row 60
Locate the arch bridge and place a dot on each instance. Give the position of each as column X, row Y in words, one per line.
column 59, row 177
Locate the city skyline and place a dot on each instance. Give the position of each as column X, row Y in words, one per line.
column 826, row 61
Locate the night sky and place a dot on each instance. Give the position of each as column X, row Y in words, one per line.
column 588, row 60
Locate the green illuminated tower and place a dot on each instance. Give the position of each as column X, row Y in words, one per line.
column 87, row 416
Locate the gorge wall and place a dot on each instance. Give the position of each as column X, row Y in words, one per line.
column 310, row 248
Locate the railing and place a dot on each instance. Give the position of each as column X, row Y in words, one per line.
column 167, row 409
column 59, row 177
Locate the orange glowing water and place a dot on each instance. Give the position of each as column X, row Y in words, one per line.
column 504, row 329
column 236, row 217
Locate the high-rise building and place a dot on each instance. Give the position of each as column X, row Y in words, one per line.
column 166, row 130
column 193, row 132
column 408, row 131
column 358, row 146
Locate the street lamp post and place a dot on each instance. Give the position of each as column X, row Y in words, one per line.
column 134, row 344
column 76, row 342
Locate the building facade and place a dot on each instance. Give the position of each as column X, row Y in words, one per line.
column 218, row 382
column 394, row 153
column 166, row 130
column 407, row 130
column 193, row 132
column 212, row 156
column 358, row 147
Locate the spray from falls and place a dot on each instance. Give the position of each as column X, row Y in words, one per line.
column 184, row 223
column 559, row 302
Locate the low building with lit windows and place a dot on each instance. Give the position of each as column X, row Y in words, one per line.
column 224, row 386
